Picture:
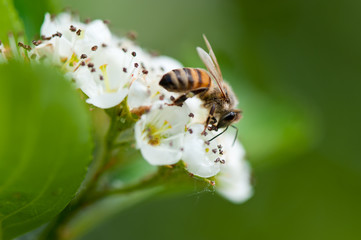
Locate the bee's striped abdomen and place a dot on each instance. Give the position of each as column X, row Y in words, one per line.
column 185, row 79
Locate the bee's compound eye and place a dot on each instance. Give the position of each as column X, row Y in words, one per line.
column 230, row 116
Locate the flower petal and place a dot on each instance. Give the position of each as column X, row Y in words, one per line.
column 198, row 155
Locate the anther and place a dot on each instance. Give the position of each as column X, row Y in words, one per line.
column 124, row 50
column 72, row 28
column 206, row 142
column 136, row 65
column 78, row 32
column 145, row 71
column 45, row 38
column 220, row 152
column 161, row 97
column 190, row 131
column 90, row 65
column 214, row 150
column 101, row 78
column 134, row 54
column 223, row 161
column 83, row 56
column 94, row 48
column 26, row 47
column 217, row 160
column 124, row 69
column 191, row 115
column 57, row 34
column 82, row 63
column 104, row 45
column 132, row 35
column 219, row 146
column 172, row 98
column 93, row 70
column 37, row 43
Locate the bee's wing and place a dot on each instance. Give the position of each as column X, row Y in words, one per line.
column 207, row 60
column 213, row 56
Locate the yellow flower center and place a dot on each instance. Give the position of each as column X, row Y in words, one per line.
column 154, row 134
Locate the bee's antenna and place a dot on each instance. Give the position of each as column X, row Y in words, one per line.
column 235, row 137
column 218, row 134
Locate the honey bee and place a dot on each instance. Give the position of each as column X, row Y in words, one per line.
column 209, row 86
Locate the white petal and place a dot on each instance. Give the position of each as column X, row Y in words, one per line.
column 168, row 125
column 199, row 156
column 139, row 95
column 163, row 154
column 234, row 180
column 165, row 63
column 199, row 111
column 107, row 100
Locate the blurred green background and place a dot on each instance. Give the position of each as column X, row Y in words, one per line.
column 295, row 66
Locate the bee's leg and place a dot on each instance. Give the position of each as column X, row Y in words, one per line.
column 182, row 98
column 210, row 116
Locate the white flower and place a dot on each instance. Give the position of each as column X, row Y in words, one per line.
column 202, row 157
column 145, row 91
column 234, row 180
column 66, row 39
column 106, row 76
column 160, row 134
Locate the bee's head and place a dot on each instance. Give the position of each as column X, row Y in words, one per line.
column 229, row 117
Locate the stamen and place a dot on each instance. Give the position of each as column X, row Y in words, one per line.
column 132, row 35
column 26, row 47
column 37, row 42
column 83, row 56
column 103, row 68
column 90, row 65
column 72, row 28
column 94, row 48
column 43, row 37
column 57, row 34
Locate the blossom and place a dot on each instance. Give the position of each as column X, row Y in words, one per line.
column 145, row 91
column 234, row 180
column 160, row 134
column 106, row 76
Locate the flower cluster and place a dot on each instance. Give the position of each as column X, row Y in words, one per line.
column 108, row 69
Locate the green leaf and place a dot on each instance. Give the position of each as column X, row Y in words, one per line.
column 9, row 20
column 45, row 146
column 32, row 14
